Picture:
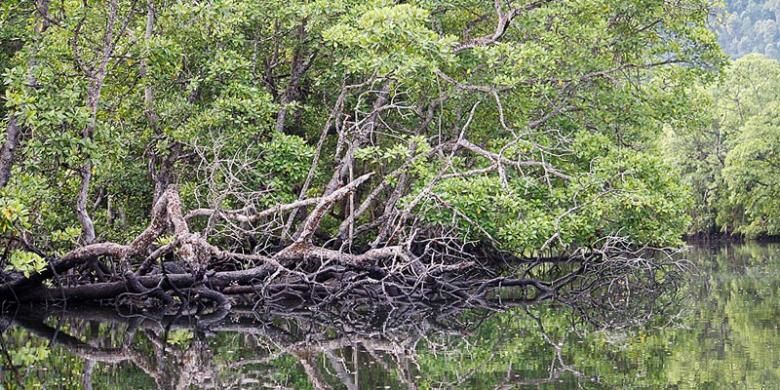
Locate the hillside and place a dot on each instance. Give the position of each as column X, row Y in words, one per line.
column 750, row 26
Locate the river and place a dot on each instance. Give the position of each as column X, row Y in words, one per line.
column 717, row 328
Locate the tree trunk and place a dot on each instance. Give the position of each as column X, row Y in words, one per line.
column 12, row 136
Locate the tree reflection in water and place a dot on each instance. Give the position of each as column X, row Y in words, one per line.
column 644, row 328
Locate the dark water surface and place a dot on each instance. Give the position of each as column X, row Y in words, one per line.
column 719, row 329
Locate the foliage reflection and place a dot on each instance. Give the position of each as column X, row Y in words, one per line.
column 716, row 330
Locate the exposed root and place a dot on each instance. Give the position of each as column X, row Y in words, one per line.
column 302, row 271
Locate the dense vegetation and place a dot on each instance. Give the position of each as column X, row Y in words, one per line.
column 749, row 26
column 181, row 157
column 353, row 132
column 731, row 161
column 365, row 133
column 529, row 125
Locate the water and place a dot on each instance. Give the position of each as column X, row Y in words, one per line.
column 717, row 329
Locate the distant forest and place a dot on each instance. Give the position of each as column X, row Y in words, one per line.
column 750, row 26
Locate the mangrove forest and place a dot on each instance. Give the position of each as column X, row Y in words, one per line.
column 308, row 175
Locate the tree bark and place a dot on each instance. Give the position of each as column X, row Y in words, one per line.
column 12, row 136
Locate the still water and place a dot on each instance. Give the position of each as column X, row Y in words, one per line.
column 717, row 329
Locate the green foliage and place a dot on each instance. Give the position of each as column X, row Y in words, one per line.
column 242, row 92
column 287, row 157
column 751, row 173
column 728, row 160
column 624, row 192
column 13, row 34
column 388, row 38
column 164, row 240
column 27, row 263
column 28, row 355
column 13, row 215
column 180, row 338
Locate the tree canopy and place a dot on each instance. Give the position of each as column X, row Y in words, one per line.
column 523, row 124
column 749, row 26
column 730, row 159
